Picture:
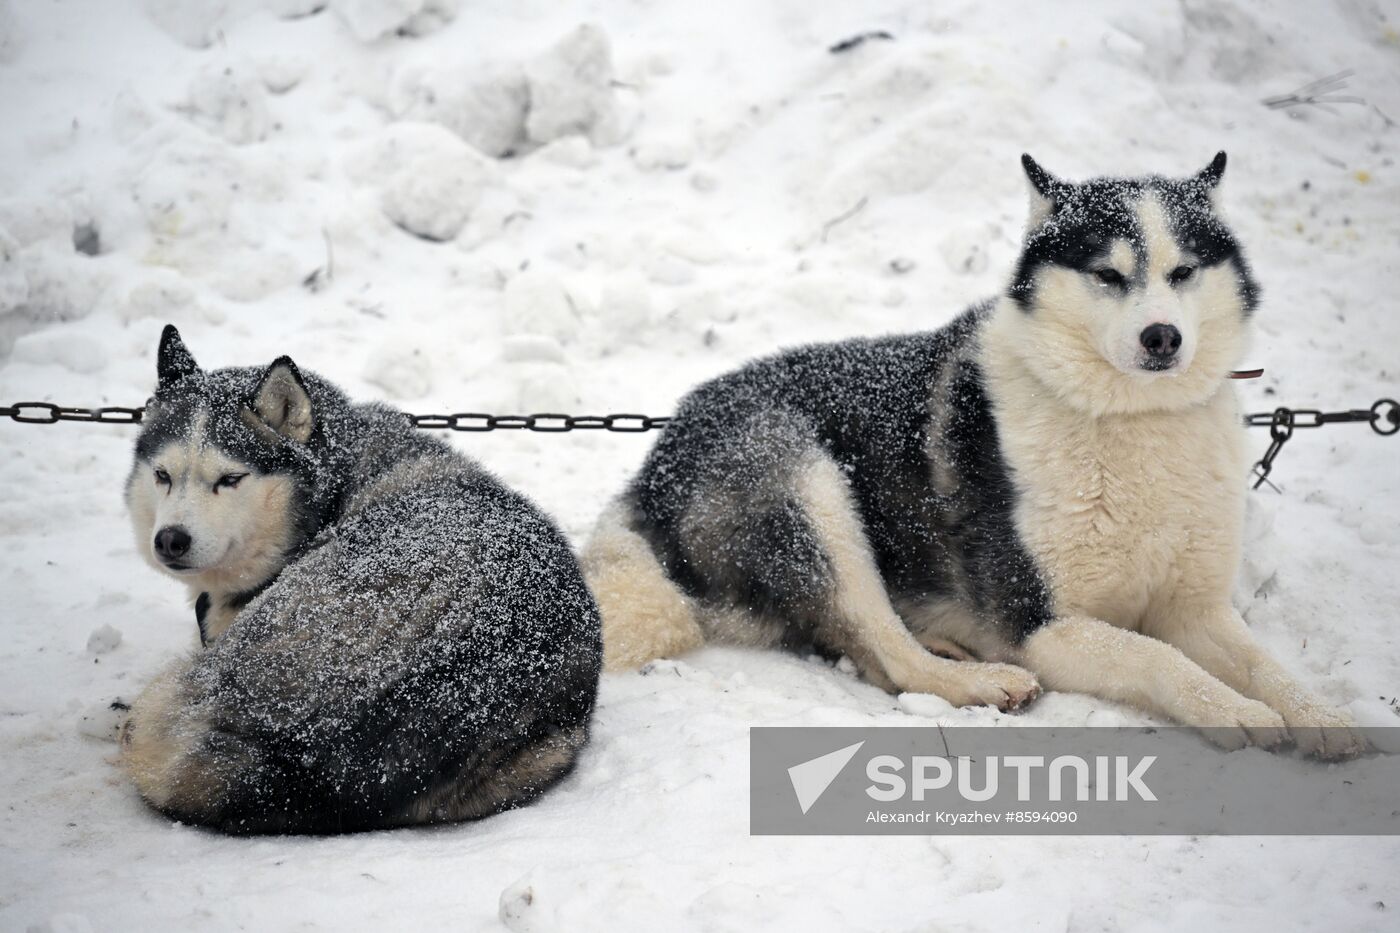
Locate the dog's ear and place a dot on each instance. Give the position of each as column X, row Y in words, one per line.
column 281, row 402
column 1046, row 189
column 1210, row 176
column 173, row 360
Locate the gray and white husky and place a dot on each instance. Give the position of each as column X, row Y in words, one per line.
column 391, row 635
column 1053, row 484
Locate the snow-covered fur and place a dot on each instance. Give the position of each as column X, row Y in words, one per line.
column 392, row 636
column 1052, row 484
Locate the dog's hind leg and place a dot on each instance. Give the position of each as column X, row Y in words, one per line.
column 645, row 615
column 861, row 622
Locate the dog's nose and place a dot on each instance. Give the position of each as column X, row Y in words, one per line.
column 1161, row 340
column 172, row 542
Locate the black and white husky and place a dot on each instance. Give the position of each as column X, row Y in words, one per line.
column 1053, row 484
column 391, row 635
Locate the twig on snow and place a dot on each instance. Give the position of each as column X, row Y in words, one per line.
column 845, row 45
column 1320, row 93
column 842, row 218
column 320, row 277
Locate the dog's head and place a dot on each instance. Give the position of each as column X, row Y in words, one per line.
column 220, row 491
column 1134, row 294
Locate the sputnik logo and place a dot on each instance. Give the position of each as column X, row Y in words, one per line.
column 810, row 779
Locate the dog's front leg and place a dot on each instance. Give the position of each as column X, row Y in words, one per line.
column 1217, row 638
column 1087, row 655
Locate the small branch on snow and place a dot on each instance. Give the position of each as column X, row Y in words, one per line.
column 842, row 218
column 1320, row 93
column 320, row 277
column 845, row 45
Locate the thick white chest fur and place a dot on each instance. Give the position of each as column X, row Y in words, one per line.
column 1126, row 515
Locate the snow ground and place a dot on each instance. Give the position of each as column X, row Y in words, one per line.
column 666, row 216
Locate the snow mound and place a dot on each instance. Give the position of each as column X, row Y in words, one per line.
column 543, row 387
column 370, row 20
column 231, row 102
column 537, row 305
column 63, row 285
column 505, row 108
column 571, row 90
column 195, row 23
column 75, row 353
column 30, row 220
column 486, row 107
column 526, row 348
column 436, row 180
column 163, row 297
column 104, row 639
column 400, row 370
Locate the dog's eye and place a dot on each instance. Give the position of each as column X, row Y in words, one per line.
column 229, row 481
column 1111, row 277
column 162, row 477
column 1181, row 274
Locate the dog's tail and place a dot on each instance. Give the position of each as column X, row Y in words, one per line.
column 167, row 751
column 189, row 768
column 645, row 615
column 190, row 761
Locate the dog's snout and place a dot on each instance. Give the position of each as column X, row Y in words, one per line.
column 172, row 542
column 1160, row 340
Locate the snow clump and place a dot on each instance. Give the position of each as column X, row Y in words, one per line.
column 435, row 180
column 571, row 90
column 373, row 19
column 230, row 102
column 487, row 111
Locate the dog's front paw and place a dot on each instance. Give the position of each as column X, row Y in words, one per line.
column 1324, row 732
column 1246, row 722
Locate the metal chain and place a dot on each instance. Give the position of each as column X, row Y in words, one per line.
column 1383, row 417
column 48, row 413
column 549, row 423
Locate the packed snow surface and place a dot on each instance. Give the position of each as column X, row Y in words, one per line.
column 526, row 206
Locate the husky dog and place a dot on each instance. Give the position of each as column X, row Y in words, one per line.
column 391, row 635
column 1053, row 483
